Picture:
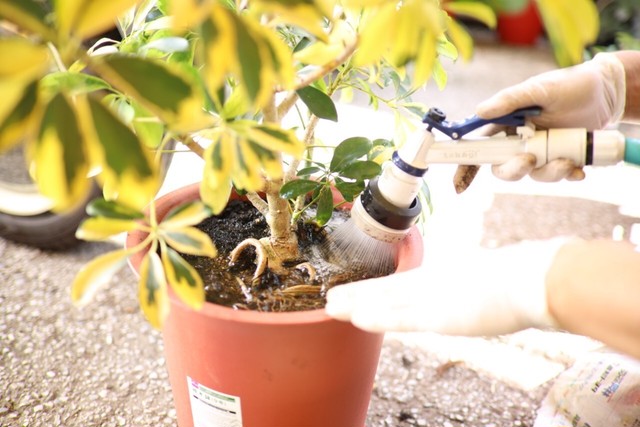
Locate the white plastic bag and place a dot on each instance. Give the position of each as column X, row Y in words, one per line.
column 601, row 389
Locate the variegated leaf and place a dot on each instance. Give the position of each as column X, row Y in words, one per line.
column 152, row 290
column 215, row 187
column 20, row 123
column 95, row 274
column 190, row 240
column 101, row 228
column 472, row 9
column 162, row 87
column 28, row 15
column 183, row 278
column 185, row 215
column 127, row 166
column 59, row 154
column 86, row 18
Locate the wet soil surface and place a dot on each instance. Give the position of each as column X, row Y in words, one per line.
column 299, row 288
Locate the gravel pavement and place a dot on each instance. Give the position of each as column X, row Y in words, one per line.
column 102, row 366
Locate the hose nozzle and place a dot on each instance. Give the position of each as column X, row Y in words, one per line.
column 389, row 206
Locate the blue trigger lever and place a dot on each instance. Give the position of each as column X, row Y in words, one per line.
column 436, row 118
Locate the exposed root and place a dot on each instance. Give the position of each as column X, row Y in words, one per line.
column 245, row 290
column 310, row 269
column 302, row 290
column 261, row 255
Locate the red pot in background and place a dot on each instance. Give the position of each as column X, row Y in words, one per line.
column 253, row 369
column 521, row 28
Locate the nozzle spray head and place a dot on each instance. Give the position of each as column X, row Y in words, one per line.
column 384, row 221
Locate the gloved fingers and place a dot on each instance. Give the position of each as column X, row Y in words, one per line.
column 525, row 94
column 515, row 168
column 464, row 176
column 557, row 170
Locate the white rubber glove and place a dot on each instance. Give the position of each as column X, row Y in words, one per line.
column 590, row 95
column 479, row 293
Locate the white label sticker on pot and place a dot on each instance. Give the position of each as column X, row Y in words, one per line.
column 211, row 408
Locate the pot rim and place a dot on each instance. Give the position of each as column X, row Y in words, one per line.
column 409, row 256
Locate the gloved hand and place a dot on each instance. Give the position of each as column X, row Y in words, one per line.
column 590, row 95
column 481, row 292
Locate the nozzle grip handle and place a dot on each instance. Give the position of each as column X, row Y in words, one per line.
column 455, row 130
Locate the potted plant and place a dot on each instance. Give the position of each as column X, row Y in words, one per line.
column 219, row 77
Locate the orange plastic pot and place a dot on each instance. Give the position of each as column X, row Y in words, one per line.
column 253, row 369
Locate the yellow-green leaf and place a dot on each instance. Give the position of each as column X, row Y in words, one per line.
column 87, row 18
column 28, row 15
column 183, row 278
column 190, row 240
column 19, row 58
column 152, row 290
column 60, row 159
column 246, row 173
column 271, row 136
column 162, row 87
column 185, row 215
column 20, row 123
column 101, row 228
column 374, row 36
column 95, row 274
column 570, row 26
column 304, row 14
column 189, row 13
column 472, row 9
column 127, row 166
column 461, row 39
column 219, row 157
column 218, row 46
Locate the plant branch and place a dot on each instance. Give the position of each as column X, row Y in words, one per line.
column 258, row 202
column 327, row 68
column 193, row 145
column 287, row 103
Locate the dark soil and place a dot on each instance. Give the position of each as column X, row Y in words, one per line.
column 233, row 285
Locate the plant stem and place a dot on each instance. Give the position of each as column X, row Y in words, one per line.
column 192, row 145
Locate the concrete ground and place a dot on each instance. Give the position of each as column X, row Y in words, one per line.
column 103, row 365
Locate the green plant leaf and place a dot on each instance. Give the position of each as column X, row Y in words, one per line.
column 309, row 171
column 348, row 151
column 113, row 210
column 190, row 240
column 152, row 290
column 325, row 205
column 95, row 274
column 27, row 14
column 72, row 83
column 183, row 278
column 361, row 169
column 298, row 187
column 349, row 190
column 101, row 228
column 61, row 163
column 319, row 103
column 126, row 167
column 163, row 88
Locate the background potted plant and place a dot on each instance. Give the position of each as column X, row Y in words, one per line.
column 570, row 26
column 220, row 77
